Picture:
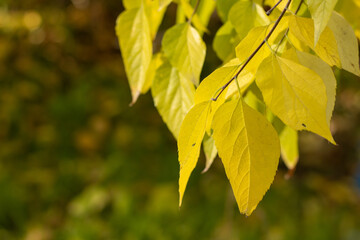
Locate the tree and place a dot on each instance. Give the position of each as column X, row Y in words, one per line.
column 276, row 79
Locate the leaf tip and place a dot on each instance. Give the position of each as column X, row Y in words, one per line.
column 135, row 95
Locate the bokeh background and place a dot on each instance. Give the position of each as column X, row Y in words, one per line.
column 76, row 162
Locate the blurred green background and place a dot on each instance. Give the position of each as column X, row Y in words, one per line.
column 76, row 162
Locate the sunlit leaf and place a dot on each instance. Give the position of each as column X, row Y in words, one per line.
column 173, row 96
column 321, row 11
column 133, row 31
column 190, row 137
column 184, row 48
column 294, row 93
column 326, row 47
column 210, row 151
column 347, row 43
column 249, row 148
column 245, row 14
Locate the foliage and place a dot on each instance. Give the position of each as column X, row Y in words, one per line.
column 276, row 80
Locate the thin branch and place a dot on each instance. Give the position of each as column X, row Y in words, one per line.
column 194, row 12
column 287, row 30
column 256, row 50
column 272, row 9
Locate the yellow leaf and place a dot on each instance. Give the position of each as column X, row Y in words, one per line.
column 173, row 96
column 155, row 63
column 327, row 75
column 184, row 48
column 245, row 14
column 212, row 84
column 253, row 39
column 190, row 137
column 210, row 151
column 294, row 93
column 346, row 42
column 321, row 11
column 326, row 47
column 189, row 10
column 133, row 31
column 289, row 146
column 249, row 148
column 163, row 4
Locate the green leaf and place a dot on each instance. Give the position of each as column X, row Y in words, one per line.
column 249, row 148
column 173, row 96
column 190, row 137
column 346, row 42
column 210, row 151
column 184, row 48
column 294, row 93
column 326, row 47
column 321, row 11
column 133, row 31
column 245, row 14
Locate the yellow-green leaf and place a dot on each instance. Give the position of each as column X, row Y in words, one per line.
column 173, row 96
column 225, row 41
column 184, row 48
column 254, row 38
column 133, row 31
column 346, row 42
column 245, row 14
column 211, row 85
column 249, row 148
column 190, row 137
column 210, row 151
column 289, row 146
column 327, row 75
column 188, row 11
column 223, row 7
column 294, row 93
column 326, row 47
column 163, row 4
column 321, row 11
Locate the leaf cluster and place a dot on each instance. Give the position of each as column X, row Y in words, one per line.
column 276, row 80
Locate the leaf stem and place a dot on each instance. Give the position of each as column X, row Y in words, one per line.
column 194, row 12
column 256, row 50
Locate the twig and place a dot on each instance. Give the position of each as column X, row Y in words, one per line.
column 287, row 30
column 194, row 12
column 256, row 50
column 272, row 9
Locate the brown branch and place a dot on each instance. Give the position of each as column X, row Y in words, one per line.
column 272, row 9
column 256, row 50
column 287, row 30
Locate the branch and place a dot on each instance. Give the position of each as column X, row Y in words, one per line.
column 272, row 9
column 256, row 50
column 287, row 30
